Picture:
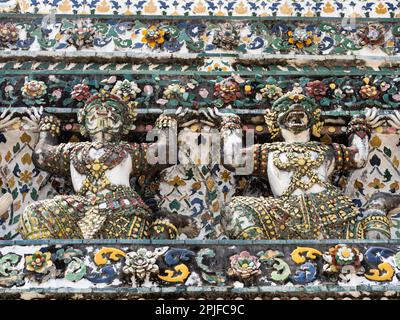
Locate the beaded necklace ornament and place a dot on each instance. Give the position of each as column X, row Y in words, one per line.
column 95, row 169
column 300, row 162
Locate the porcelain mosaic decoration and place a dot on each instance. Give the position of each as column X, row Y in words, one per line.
column 92, row 204
column 192, row 37
column 327, row 8
column 152, row 270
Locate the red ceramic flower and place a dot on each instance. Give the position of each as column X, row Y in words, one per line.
column 228, row 90
column 81, row 92
column 316, row 89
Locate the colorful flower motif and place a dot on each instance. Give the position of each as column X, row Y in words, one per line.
column 177, row 182
column 57, row 94
column 9, row 89
column 126, row 90
column 342, row 255
column 271, row 92
column 384, row 86
column 153, row 36
column 396, row 97
column 81, row 92
column 338, row 93
column 244, row 265
column 227, row 39
column 301, row 38
column 316, row 89
column 81, row 37
column 26, row 176
column 174, row 91
column 217, row 67
column 376, row 184
column 148, row 90
column 372, row 34
column 9, row 34
column 369, row 92
column 348, row 90
column 225, row 175
column 141, row 263
column 228, row 90
column 38, row 262
column 34, row 89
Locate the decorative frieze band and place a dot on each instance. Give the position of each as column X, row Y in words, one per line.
column 205, row 36
column 231, row 8
column 226, row 267
column 250, row 92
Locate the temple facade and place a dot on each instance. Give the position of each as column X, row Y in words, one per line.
column 197, row 149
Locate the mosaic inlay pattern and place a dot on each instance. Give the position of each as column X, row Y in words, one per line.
column 174, row 266
column 260, row 8
column 202, row 36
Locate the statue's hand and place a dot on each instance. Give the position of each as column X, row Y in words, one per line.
column 185, row 116
column 233, row 149
column 5, row 119
column 214, row 115
column 6, row 201
column 394, row 119
column 372, row 118
column 33, row 118
column 231, row 134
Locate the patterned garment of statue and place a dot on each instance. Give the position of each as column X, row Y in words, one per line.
column 120, row 212
column 326, row 214
column 305, row 204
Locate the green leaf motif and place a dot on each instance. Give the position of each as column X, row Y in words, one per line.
column 175, row 205
column 387, row 151
column 34, row 194
column 387, row 175
column 16, row 147
column 15, row 193
column 282, row 270
column 15, row 219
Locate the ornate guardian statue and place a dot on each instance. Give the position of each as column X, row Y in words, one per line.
column 305, row 204
column 105, row 205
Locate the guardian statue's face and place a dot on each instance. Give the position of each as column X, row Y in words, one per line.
column 296, row 119
column 294, row 113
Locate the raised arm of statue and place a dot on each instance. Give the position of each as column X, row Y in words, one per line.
column 6, row 201
column 233, row 155
column 249, row 160
column 48, row 155
column 355, row 155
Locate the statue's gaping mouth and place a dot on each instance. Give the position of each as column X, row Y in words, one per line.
column 297, row 120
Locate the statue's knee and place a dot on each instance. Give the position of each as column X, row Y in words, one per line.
column 31, row 208
column 30, row 220
column 239, row 222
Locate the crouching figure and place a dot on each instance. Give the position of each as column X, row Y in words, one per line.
column 305, row 205
column 105, row 205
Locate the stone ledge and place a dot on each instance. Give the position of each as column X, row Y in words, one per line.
column 110, row 269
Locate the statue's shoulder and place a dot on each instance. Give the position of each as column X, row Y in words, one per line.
column 129, row 146
column 72, row 147
column 75, row 145
column 272, row 146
